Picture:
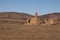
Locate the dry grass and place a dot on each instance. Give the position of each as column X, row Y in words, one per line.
column 18, row 31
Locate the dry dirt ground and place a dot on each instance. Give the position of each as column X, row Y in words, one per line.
column 13, row 31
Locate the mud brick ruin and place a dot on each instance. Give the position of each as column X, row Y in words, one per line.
column 37, row 21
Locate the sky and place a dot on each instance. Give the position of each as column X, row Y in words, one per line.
column 30, row 6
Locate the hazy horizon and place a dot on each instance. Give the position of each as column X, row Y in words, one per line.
column 30, row 6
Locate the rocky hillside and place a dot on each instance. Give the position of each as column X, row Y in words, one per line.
column 14, row 15
column 56, row 15
column 21, row 17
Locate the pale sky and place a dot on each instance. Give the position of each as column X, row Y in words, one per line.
column 30, row 6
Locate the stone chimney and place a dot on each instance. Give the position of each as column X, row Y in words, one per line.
column 36, row 14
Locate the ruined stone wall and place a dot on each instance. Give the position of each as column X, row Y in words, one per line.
column 50, row 21
column 33, row 21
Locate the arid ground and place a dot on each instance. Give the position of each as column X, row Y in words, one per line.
column 17, row 31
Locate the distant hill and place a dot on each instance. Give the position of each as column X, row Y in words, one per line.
column 14, row 15
column 56, row 15
column 22, row 17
